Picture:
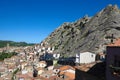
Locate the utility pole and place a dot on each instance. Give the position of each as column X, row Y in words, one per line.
column 112, row 38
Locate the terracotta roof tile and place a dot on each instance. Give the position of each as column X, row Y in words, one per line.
column 1, row 78
column 25, row 76
column 70, row 75
column 23, row 63
column 42, row 62
column 53, row 78
column 65, row 68
column 39, row 69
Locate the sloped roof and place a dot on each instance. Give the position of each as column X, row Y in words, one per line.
column 42, row 62
column 66, row 67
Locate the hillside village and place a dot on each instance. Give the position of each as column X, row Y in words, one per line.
column 42, row 62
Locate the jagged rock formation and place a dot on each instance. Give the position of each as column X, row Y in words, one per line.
column 86, row 34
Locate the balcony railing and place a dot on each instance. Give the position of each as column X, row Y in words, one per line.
column 115, row 70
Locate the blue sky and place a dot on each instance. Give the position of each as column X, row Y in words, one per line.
column 33, row 20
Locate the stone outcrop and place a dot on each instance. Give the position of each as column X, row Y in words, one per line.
column 87, row 34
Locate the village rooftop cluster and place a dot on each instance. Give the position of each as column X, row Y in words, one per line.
column 41, row 63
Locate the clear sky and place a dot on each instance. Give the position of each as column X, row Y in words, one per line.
column 33, row 20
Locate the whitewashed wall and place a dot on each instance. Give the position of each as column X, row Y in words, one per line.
column 56, row 56
column 85, row 57
column 77, row 58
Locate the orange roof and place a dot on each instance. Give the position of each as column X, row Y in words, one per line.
column 40, row 68
column 22, row 63
column 25, row 76
column 53, row 77
column 116, row 43
column 2, row 70
column 65, row 68
column 1, row 78
column 70, row 75
column 101, row 54
column 43, row 78
column 61, row 73
column 43, row 62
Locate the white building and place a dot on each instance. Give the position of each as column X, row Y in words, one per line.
column 56, row 56
column 41, row 64
column 85, row 57
column 50, row 49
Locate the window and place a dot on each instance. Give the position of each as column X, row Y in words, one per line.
column 92, row 55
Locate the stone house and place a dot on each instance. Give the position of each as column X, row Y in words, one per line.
column 8, row 77
column 12, row 68
column 41, row 64
column 3, row 72
column 29, row 68
column 8, row 61
column 39, row 71
column 23, row 64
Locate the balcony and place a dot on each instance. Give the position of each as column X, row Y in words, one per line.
column 115, row 70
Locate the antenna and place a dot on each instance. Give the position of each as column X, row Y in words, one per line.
column 111, row 37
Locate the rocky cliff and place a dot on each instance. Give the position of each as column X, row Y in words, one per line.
column 87, row 34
